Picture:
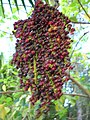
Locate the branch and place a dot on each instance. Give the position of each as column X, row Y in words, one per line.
column 79, row 85
column 10, row 92
column 83, row 9
column 80, row 22
column 80, row 95
column 78, row 43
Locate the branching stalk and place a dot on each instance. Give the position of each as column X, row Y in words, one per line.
column 79, row 85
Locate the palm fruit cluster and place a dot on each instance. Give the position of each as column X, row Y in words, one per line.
column 42, row 55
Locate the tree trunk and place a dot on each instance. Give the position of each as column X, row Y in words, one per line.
column 79, row 110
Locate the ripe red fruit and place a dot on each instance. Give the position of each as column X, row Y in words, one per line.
column 67, row 78
column 32, row 52
column 72, row 31
column 71, row 67
column 27, row 40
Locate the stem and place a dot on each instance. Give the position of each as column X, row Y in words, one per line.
column 80, row 22
column 79, row 85
column 83, row 9
column 78, row 43
column 80, row 95
column 35, row 71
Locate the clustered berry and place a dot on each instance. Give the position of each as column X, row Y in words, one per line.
column 42, row 55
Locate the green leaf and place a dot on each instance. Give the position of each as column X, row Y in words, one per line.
column 18, row 115
column 8, row 101
column 31, row 2
column 11, row 37
column 14, row 10
column 2, row 34
column 1, row 80
column 15, row 17
column 14, row 72
column 1, row 20
column 74, row 19
column 17, row 95
column 46, row 1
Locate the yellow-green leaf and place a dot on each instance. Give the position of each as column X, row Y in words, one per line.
column 2, row 111
column 4, row 88
column 57, row 107
column 7, row 109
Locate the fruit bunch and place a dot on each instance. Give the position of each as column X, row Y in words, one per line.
column 42, row 55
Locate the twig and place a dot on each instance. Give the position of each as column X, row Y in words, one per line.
column 80, row 95
column 10, row 92
column 83, row 9
column 80, row 22
column 78, row 42
column 79, row 85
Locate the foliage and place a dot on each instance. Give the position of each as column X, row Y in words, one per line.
column 2, row 9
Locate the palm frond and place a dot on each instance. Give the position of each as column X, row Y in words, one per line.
column 16, row 4
column 31, row 2
column 2, row 7
column 24, row 5
column 10, row 5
